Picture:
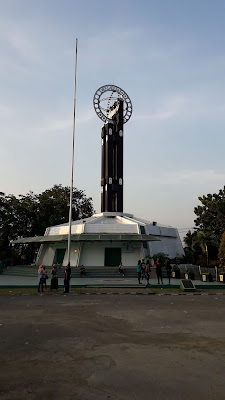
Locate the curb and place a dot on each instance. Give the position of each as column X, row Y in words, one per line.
column 151, row 294
column 132, row 294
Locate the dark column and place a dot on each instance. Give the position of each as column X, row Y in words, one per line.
column 112, row 163
column 103, row 171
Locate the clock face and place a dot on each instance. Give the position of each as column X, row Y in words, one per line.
column 106, row 100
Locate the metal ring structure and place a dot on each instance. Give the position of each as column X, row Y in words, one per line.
column 106, row 98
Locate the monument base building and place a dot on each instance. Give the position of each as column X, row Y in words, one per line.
column 106, row 239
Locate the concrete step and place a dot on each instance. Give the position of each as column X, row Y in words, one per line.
column 91, row 272
column 74, row 275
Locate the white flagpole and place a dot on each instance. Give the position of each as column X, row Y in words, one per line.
column 71, row 186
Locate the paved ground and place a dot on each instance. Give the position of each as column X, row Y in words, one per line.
column 112, row 347
column 7, row 280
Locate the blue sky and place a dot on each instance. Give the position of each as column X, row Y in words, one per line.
column 167, row 55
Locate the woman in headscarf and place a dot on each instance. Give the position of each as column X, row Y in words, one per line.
column 54, row 278
column 41, row 277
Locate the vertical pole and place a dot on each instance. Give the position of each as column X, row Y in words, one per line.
column 207, row 254
column 71, row 185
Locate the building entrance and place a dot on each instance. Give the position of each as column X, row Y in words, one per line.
column 59, row 256
column 112, row 257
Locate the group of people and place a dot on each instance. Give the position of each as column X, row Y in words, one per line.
column 43, row 276
column 144, row 269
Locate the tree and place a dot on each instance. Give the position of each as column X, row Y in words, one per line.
column 222, row 250
column 210, row 223
column 201, row 245
column 189, row 240
column 192, row 247
column 207, row 242
column 30, row 214
column 54, row 207
column 161, row 257
column 211, row 214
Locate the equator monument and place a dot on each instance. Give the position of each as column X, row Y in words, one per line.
column 112, row 236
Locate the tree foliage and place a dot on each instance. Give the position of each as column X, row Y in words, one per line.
column 202, row 245
column 222, row 250
column 30, row 214
column 54, row 206
column 211, row 214
column 190, row 247
column 161, row 257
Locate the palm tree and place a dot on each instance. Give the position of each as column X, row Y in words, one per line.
column 188, row 240
column 205, row 240
column 190, row 245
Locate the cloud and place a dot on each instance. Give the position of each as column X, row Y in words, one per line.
column 18, row 42
column 154, row 116
column 5, row 111
column 54, row 125
column 189, row 105
column 86, row 116
column 195, row 177
column 24, row 46
column 168, row 107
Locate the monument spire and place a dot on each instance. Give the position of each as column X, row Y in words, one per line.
column 114, row 109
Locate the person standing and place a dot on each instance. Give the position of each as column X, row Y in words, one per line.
column 45, row 277
column 54, row 278
column 158, row 271
column 139, row 265
column 147, row 271
column 67, row 279
column 82, row 271
column 142, row 268
column 168, row 270
column 121, row 269
column 41, row 277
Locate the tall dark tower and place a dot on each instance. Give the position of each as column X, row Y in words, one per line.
column 115, row 112
column 112, row 163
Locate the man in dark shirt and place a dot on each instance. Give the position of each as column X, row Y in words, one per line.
column 158, row 271
column 67, row 278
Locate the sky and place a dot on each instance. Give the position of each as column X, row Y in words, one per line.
column 168, row 55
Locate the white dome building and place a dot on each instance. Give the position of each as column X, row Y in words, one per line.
column 106, row 239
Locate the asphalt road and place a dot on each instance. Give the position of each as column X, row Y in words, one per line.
column 121, row 347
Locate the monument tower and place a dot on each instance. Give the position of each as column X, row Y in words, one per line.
column 112, row 236
column 113, row 106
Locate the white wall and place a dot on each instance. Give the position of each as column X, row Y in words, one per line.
column 48, row 253
column 64, row 229
column 131, row 259
column 93, row 254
